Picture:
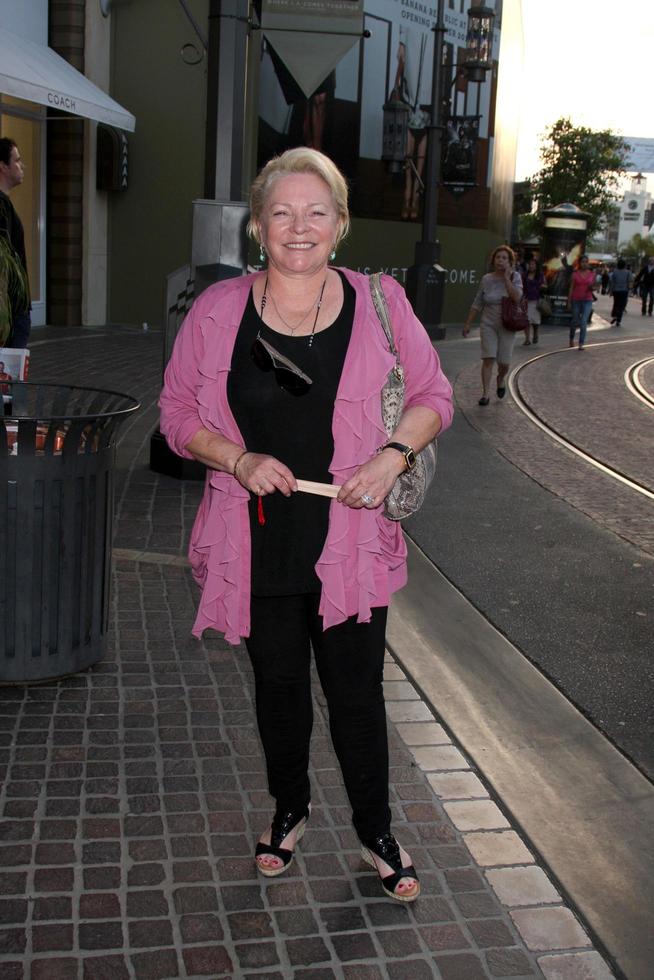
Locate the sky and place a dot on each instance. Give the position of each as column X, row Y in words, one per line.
column 590, row 61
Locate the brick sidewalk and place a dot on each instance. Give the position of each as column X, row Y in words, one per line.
column 133, row 795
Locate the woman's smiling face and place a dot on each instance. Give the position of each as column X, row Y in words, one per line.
column 299, row 224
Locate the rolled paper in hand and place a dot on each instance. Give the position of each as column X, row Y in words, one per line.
column 322, row 489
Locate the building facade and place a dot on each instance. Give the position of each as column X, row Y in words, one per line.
column 635, row 211
column 99, row 255
column 54, row 76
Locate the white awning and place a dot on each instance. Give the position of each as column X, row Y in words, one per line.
column 38, row 74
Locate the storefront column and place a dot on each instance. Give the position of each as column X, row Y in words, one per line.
column 95, row 233
column 65, row 170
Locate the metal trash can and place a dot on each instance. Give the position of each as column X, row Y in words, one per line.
column 57, row 455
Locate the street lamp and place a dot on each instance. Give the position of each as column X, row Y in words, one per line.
column 426, row 278
column 479, row 42
column 394, row 135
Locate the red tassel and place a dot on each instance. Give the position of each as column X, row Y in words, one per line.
column 260, row 513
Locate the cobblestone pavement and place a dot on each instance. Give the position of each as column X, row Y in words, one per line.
column 546, row 566
column 592, row 408
column 133, row 794
column 647, row 378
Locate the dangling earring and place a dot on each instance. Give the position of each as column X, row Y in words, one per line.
column 333, row 255
column 262, row 253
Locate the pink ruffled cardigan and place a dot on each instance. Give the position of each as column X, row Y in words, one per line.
column 364, row 557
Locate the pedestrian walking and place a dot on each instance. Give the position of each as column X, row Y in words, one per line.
column 605, row 280
column 620, row 283
column 12, row 172
column 581, row 296
column 533, row 285
column 277, row 376
column 644, row 283
column 496, row 341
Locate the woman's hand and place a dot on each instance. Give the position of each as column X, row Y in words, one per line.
column 511, row 288
column 374, row 481
column 264, row 474
column 467, row 326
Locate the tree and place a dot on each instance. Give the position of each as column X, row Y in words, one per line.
column 528, row 227
column 582, row 167
column 639, row 247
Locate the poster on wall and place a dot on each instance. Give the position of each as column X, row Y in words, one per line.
column 564, row 242
column 343, row 114
column 460, row 153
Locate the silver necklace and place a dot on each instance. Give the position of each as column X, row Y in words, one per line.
column 317, row 303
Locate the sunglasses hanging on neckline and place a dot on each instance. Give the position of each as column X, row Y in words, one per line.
column 288, row 375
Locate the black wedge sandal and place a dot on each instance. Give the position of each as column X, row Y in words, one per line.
column 282, row 825
column 387, row 850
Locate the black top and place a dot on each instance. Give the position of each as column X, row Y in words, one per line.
column 12, row 228
column 296, row 429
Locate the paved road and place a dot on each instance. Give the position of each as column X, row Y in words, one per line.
column 539, row 555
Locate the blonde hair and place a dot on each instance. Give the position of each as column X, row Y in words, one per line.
column 301, row 160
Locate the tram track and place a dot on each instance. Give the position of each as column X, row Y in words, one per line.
column 633, row 384
column 549, row 691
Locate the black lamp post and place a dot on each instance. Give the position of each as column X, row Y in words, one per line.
column 479, row 42
column 426, row 278
column 395, row 130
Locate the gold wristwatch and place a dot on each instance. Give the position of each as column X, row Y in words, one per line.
column 407, row 452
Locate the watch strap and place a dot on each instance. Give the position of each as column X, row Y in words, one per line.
column 407, row 452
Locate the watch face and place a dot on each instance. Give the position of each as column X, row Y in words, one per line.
column 410, row 457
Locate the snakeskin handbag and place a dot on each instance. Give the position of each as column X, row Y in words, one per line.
column 408, row 493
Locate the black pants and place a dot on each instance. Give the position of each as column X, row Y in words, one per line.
column 350, row 665
column 620, row 298
column 645, row 295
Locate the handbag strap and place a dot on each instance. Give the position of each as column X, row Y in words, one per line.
column 381, row 307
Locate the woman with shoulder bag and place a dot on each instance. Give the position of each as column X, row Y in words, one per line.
column 496, row 341
column 275, row 379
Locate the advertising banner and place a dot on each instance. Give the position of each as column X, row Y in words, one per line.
column 291, row 27
column 460, row 152
column 641, row 157
column 343, row 114
column 564, row 241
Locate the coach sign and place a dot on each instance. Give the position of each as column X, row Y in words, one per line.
column 64, row 102
column 36, row 73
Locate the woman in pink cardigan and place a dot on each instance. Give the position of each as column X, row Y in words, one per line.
column 275, row 378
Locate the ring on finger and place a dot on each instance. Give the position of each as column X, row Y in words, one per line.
column 258, row 490
column 367, row 499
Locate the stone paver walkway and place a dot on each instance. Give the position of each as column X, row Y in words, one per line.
column 592, row 404
column 133, row 794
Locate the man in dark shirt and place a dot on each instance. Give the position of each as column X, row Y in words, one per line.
column 644, row 283
column 12, row 172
